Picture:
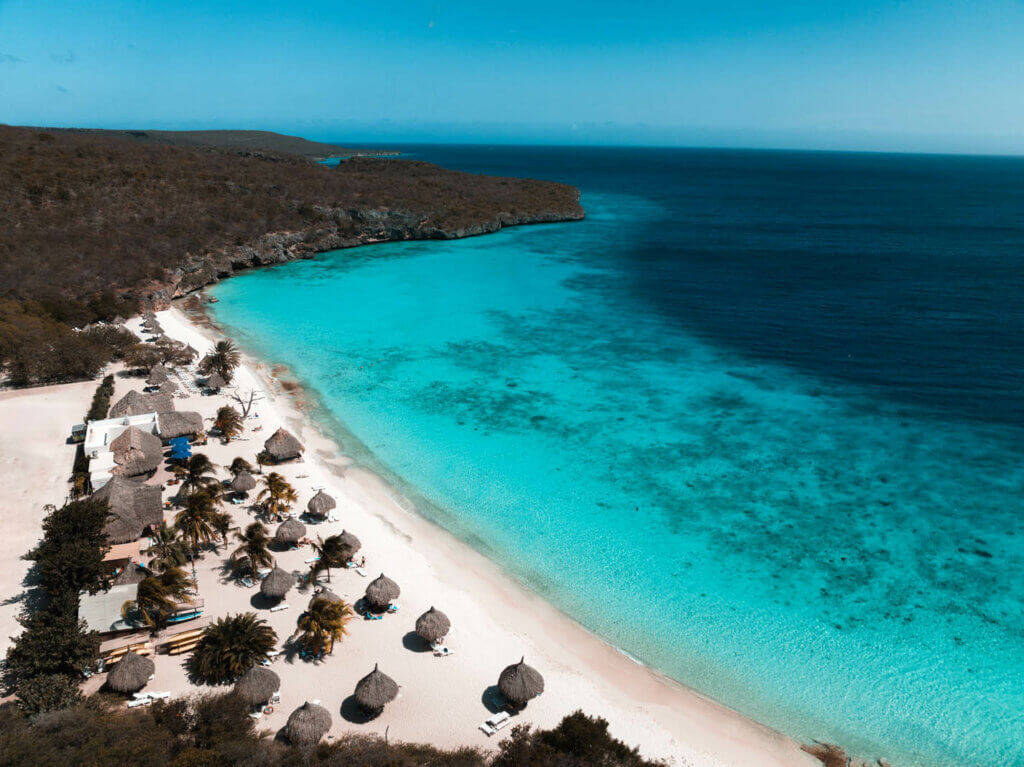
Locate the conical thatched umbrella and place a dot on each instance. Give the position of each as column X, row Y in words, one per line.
column 282, row 445
column 277, row 583
column 307, row 724
column 382, row 592
column 168, row 387
column 243, row 483
column 131, row 673
column 157, row 375
column 136, row 452
column 190, row 351
column 519, row 683
column 433, row 625
column 375, row 690
column 320, row 504
column 349, row 543
column 290, row 531
column 216, row 382
column 330, row 596
column 257, row 685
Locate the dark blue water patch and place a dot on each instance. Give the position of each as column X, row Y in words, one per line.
column 901, row 273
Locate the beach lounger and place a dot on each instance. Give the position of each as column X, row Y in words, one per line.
column 273, row 653
column 372, row 617
column 441, row 651
column 278, row 608
column 361, row 571
column 248, row 582
column 393, row 608
column 138, row 702
column 496, row 722
column 255, row 714
column 140, row 696
column 159, row 695
column 311, row 560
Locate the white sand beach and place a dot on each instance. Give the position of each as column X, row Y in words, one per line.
column 495, row 621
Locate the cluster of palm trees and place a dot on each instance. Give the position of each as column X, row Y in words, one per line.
column 228, row 422
column 277, row 496
column 222, row 359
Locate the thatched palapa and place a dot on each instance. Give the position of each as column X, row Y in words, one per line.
column 136, row 452
column 519, row 683
column 138, row 403
column 382, row 592
column 375, row 690
column 349, row 544
column 257, row 685
column 133, row 508
column 243, row 483
column 307, row 725
column 277, row 583
column 320, row 505
column 289, row 531
column 158, row 374
column 131, row 673
column 183, row 424
column 169, row 388
column 216, row 382
column 433, row 625
column 326, row 595
column 282, row 445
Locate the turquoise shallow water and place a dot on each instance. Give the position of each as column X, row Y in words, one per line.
column 839, row 564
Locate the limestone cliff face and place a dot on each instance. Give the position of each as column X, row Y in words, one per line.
column 348, row 229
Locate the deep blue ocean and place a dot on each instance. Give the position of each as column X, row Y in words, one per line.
column 758, row 420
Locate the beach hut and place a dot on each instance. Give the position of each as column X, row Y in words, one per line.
column 133, row 507
column 520, row 683
column 433, row 625
column 158, row 374
column 243, row 483
column 349, row 544
column 136, row 452
column 330, row 596
column 277, row 584
column 216, row 382
column 131, row 673
column 289, row 532
column 381, row 593
column 257, row 685
column 307, row 724
column 137, row 403
column 375, row 690
column 175, row 424
column 282, row 446
column 320, row 505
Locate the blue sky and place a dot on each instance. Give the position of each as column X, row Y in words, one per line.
column 912, row 76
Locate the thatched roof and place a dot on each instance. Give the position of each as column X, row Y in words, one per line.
column 382, row 592
column 320, row 504
column 433, row 625
column 191, row 352
column 257, row 685
column 307, row 724
column 519, row 682
column 133, row 508
column 243, row 483
column 290, row 531
column 375, row 690
column 169, row 388
column 158, row 374
column 131, row 673
column 137, row 403
column 349, row 543
column 216, row 381
column 184, row 424
column 136, row 452
column 327, row 595
column 277, row 583
column 282, row 445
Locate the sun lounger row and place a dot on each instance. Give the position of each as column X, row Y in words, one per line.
column 496, row 722
column 277, row 608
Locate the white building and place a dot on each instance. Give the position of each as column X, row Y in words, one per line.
column 100, row 434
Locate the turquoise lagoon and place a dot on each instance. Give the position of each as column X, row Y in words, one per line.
column 831, row 556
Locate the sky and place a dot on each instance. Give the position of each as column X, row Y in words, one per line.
column 913, row 76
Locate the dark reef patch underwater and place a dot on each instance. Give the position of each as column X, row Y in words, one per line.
column 758, row 420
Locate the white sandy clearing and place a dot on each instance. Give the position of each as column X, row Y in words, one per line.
column 495, row 621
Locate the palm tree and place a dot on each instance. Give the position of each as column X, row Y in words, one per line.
column 331, row 553
column 277, row 495
column 323, row 624
column 253, row 552
column 223, row 359
column 230, row 647
column 169, row 550
column 199, row 471
column 228, row 421
column 239, row 466
column 195, row 523
column 158, row 596
column 221, row 523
